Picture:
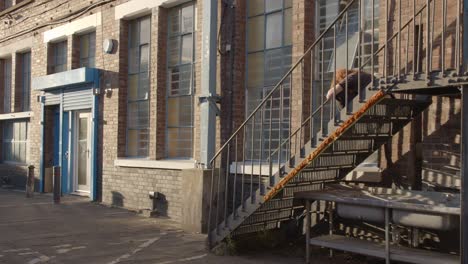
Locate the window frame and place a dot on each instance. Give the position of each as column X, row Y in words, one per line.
column 138, row 100
column 53, row 62
column 7, row 82
column 25, row 74
column 13, row 141
column 87, row 60
column 181, row 64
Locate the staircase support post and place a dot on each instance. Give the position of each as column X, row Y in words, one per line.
column 208, row 106
column 464, row 180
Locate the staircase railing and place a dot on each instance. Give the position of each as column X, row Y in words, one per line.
column 296, row 114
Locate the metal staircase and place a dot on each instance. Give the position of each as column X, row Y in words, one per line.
column 257, row 171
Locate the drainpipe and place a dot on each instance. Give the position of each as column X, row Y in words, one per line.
column 464, row 146
column 464, row 180
column 208, row 108
column 41, row 164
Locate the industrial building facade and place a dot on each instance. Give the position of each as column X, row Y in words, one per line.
column 113, row 92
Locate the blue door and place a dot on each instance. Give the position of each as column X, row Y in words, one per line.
column 65, row 153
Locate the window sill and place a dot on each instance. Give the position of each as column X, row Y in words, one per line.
column 14, row 163
column 16, row 115
column 255, row 169
column 155, row 164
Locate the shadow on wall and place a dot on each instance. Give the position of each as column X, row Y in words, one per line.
column 161, row 204
column 440, row 145
column 117, row 199
column 15, row 176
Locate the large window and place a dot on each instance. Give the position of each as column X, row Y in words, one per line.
column 327, row 12
column 87, row 50
column 15, row 141
column 180, row 81
column 7, row 76
column 138, row 87
column 57, row 57
column 25, row 81
column 269, row 48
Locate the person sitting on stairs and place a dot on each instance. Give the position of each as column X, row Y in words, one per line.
column 351, row 78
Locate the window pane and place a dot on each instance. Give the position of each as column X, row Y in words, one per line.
column 133, row 60
column 288, row 27
column 180, row 80
column 255, row 29
column 287, row 3
column 277, row 63
column 256, row 7
column 187, row 47
column 7, row 76
column 180, row 142
column 179, row 111
column 138, row 114
column 132, row 144
column 174, row 49
column 271, row 5
column 144, row 84
column 84, row 46
column 187, row 19
column 255, row 64
column 274, row 31
column 133, row 34
column 26, row 81
column 174, row 22
column 144, row 58
column 133, row 87
column 145, row 31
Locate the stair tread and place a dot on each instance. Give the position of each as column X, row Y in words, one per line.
column 370, row 248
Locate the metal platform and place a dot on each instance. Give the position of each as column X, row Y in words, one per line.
column 370, row 248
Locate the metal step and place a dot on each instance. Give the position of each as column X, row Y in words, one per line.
column 315, row 176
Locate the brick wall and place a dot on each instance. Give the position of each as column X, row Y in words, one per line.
column 129, row 187
column 407, row 46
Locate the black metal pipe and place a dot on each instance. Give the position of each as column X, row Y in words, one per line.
column 57, row 189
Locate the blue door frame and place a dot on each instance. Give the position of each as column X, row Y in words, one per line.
column 61, row 82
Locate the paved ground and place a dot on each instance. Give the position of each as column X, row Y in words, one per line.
column 76, row 231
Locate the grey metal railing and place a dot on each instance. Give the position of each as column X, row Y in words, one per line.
column 423, row 49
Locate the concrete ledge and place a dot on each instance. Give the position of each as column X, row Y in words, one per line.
column 77, row 26
column 137, row 8
column 66, row 78
column 155, row 164
column 16, row 47
column 370, row 174
column 17, row 115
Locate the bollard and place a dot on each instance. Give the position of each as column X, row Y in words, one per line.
column 57, row 191
column 30, row 182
